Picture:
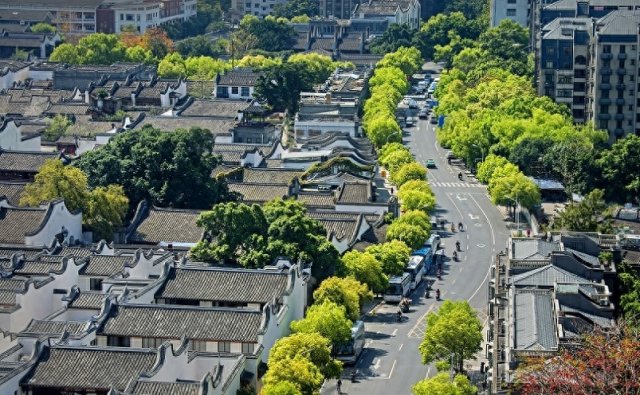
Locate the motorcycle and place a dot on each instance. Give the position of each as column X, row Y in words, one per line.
column 438, row 294
column 460, row 176
column 404, row 305
column 458, row 246
column 439, row 274
column 460, row 226
column 455, row 256
column 453, row 228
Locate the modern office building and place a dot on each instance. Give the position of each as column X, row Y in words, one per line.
column 516, row 10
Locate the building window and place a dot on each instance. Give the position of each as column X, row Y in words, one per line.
column 604, row 124
column 511, row 1
column 198, row 345
column 630, row 92
column 622, row 64
column 234, row 90
column 224, row 347
column 604, row 94
column 604, row 109
column 95, row 284
column 511, row 12
column 247, row 348
column 151, row 342
column 605, row 79
column 606, row 48
column 623, row 49
column 118, row 341
column 244, row 91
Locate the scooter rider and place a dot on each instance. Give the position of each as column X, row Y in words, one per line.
column 438, row 294
column 460, row 176
column 455, row 255
column 458, row 245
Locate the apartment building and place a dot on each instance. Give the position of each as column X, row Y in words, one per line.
column 339, row 9
column 614, row 66
column 260, row 8
column 563, row 63
column 106, row 16
column 516, row 10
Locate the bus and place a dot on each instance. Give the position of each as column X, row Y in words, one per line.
column 399, row 287
column 350, row 351
column 428, row 254
column 415, row 268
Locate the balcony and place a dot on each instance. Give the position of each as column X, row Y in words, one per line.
column 622, row 56
column 621, row 71
column 604, row 71
column 621, row 87
column 619, row 132
column 620, row 102
column 604, row 117
column 604, row 101
column 619, row 117
column 606, row 56
column 605, row 87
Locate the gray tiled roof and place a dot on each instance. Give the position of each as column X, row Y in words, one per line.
column 23, row 161
column 7, row 298
column 68, row 108
column 534, row 249
column 275, row 176
column 590, row 260
column 88, row 300
column 174, row 322
column 215, row 126
column 535, row 327
column 562, row 5
column 168, row 225
column 239, row 77
column 355, row 193
column 28, row 252
column 317, row 199
column 224, row 285
column 38, row 267
column 165, row 388
column 619, row 23
column 215, row 108
column 16, row 223
column 77, row 253
column 12, row 191
column 44, row 327
column 90, row 368
column 105, row 265
column 341, row 226
column 259, row 193
column 12, row 284
column 545, row 276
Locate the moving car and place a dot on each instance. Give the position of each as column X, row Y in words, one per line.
column 430, row 163
column 434, row 120
column 423, row 114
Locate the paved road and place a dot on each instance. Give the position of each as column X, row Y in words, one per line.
column 391, row 362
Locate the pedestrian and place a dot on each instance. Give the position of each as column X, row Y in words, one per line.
column 339, row 386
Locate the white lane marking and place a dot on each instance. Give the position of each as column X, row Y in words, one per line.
column 454, row 281
column 426, row 376
column 493, row 234
column 481, row 245
column 474, row 217
column 394, row 332
column 400, row 348
column 459, row 197
column 392, row 368
column 376, row 365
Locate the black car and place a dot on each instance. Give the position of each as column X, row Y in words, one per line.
column 423, row 114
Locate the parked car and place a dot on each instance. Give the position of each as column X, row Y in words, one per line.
column 423, row 114
column 434, row 120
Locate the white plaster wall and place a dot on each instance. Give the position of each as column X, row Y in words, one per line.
column 59, row 217
column 11, row 139
column 303, row 127
column 40, row 75
column 352, row 208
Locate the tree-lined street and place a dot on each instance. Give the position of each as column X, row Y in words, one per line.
column 391, row 360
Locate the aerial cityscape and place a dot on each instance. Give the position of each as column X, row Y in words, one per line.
column 314, row 197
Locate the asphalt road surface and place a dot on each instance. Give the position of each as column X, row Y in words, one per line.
column 390, row 362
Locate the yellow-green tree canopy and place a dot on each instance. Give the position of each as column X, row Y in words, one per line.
column 453, row 329
column 408, row 172
column 393, row 255
column 312, row 346
column 365, row 268
column 347, row 292
column 327, row 319
column 412, row 235
column 299, row 371
column 441, row 384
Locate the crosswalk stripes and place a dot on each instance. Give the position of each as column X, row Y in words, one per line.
column 455, row 184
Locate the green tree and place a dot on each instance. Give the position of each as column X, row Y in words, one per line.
column 65, row 53
column 490, row 164
column 515, row 187
column 259, row 62
column 394, row 37
column 327, row 319
column 439, row 28
column 299, row 371
column 365, row 268
column 393, row 255
column 528, row 155
column 415, row 218
column 294, row 8
column 407, row 59
column 318, row 67
column 629, row 293
column 416, row 195
column 42, row 27
column 383, row 129
column 621, row 169
column 413, row 236
column 397, row 159
column 508, row 42
column 169, row 169
column 198, row 46
column 281, row 85
column 57, row 127
column 589, row 215
column 172, row 66
column 408, row 172
column 393, row 77
column 312, row 346
column 204, row 68
column 271, row 34
column 281, row 388
column 103, row 208
column 138, row 54
column 347, row 292
column 442, row 385
column 454, row 330
column 100, row 48
column 236, row 228
column 574, row 163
